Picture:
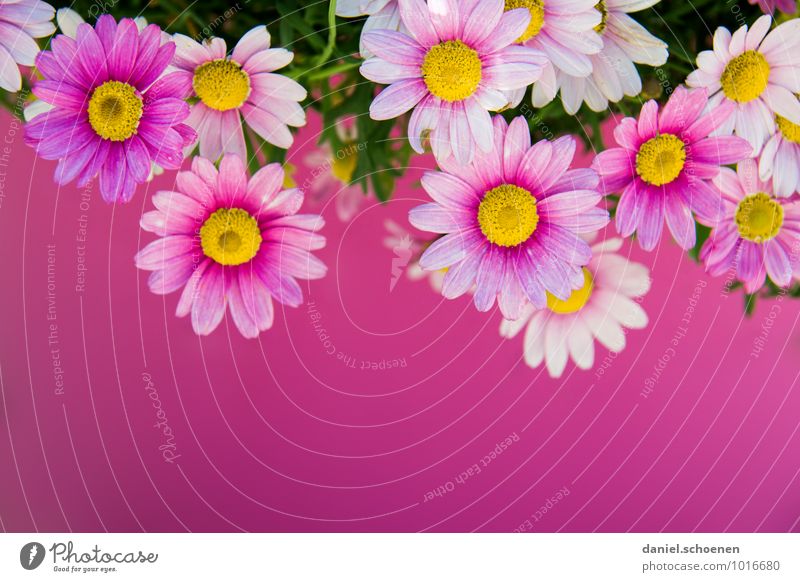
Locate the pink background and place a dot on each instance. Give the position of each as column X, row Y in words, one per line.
column 278, row 435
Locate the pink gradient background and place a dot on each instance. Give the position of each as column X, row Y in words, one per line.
column 277, row 435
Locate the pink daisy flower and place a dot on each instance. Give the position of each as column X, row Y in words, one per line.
column 602, row 310
column 771, row 6
column 240, row 88
column 780, row 158
column 758, row 233
column 452, row 69
column 664, row 165
column 20, row 23
column 230, row 242
column 758, row 72
column 511, row 221
column 113, row 112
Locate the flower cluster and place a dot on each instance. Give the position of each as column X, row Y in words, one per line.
column 515, row 221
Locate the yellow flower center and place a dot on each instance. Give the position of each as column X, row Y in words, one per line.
column 789, row 130
column 576, row 300
column 758, row 217
column 115, row 110
column 745, row 77
column 452, row 70
column 601, row 8
column 221, row 84
column 507, row 215
column 288, row 176
column 536, row 8
column 343, row 168
column 230, row 236
column 661, row 159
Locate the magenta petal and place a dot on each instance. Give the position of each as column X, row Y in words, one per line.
column 256, row 298
column 163, row 250
column 122, row 56
column 516, row 143
column 416, row 15
column 149, row 43
column 112, row 174
column 397, row 99
column 564, row 244
column 449, row 249
column 616, row 167
column 529, row 280
column 648, row 120
column 209, row 304
column 242, row 317
column 284, row 289
column 777, row 263
column 682, row 109
column 490, row 275
column 563, row 153
column 629, row 209
column 721, row 150
column 511, row 298
column 137, row 158
column 439, row 219
column 679, row 221
column 106, row 29
column 160, row 62
column 92, row 55
column 449, row 190
column 651, row 220
column 460, row 277
column 394, row 47
column 709, row 122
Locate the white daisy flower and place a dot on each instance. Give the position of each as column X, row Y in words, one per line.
column 614, row 73
column 782, row 151
column 757, row 71
column 565, row 31
column 601, row 310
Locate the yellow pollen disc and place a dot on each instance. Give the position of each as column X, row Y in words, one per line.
column 745, row 78
column 115, row 110
column 343, row 168
column 230, row 236
column 221, row 84
column 759, row 218
column 601, row 8
column 576, row 300
column 661, row 159
column 288, row 176
column 789, row 130
column 452, row 70
column 507, row 215
column 536, row 8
